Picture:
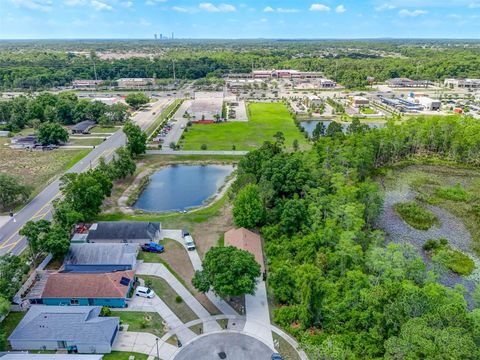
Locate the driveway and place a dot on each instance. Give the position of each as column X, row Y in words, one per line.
column 258, row 315
column 144, row 343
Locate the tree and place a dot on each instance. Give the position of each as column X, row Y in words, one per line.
column 12, row 191
column 295, row 145
column 12, row 271
column 248, row 209
column 318, row 131
column 85, row 192
column 51, row 134
column 123, row 164
column 118, row 113
column 228, row 271
column 136, row 139
column 136, row 99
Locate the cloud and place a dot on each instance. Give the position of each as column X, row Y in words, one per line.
column 474, row 5
column 217, row 8
column 268, row 9
column 41, row 5
column 126, row 4
column 340, row 9
column 319, row 7
column 385, row 7
column 153, row 2
column 99, row 5
column 75, row 2
column 181, row 9
column 411, row 13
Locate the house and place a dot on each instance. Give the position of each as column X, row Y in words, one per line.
column 94, row 289
column 24, row 142
column 97, row 258
column 69, row 328
column 246, row 240
column 83, row 127
column 29, row 356
column 124, row 232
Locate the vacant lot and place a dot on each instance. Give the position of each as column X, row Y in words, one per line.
column 36, row 168
column 265, row 120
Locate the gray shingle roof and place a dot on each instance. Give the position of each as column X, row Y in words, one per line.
column 123, row 230
column 101, row 254
column 79, row 324
column 83, row 125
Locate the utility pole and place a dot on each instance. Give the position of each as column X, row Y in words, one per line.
column 174, row 77
column 158, row 354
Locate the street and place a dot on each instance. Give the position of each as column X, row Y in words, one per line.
column 40, row 207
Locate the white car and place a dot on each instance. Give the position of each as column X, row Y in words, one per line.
column 145, row 292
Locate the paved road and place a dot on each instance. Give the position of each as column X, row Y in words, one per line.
column 40, row 206
column 196, row 152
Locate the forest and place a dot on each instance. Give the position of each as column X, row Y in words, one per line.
column 52, row 64
column 337, row 286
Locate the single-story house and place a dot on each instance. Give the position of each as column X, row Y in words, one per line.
column 247, row 240
column 30, row 356
column 83, row 127
column 73, row 328
column 124, row 231
column 4, row 133
column 103, row 289
column 97, row 258
column 24, row 142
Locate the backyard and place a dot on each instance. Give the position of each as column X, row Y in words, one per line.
column 265, row 120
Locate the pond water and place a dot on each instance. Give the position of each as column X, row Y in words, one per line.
column 309, row 126
column 179, row 187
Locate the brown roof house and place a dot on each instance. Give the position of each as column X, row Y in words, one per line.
column 246, row 240
column 104, row 289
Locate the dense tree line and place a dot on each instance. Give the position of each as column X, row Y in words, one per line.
column 33, row 69
column 64, row 108
column 338, row 287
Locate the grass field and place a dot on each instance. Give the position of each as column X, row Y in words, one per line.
column 7, row 326
column 123, row 355
column 149, row 322
column 265, row 120
column 101, row 129
column 85, row 142
column 415, row 215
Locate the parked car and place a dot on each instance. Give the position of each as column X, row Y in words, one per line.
column 145, row 292
column 153, row 247
column 189, row 242
column 185, row 233
column 276, row 356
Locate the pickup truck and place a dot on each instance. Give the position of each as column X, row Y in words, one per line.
column 153, row 247
column 188, row 240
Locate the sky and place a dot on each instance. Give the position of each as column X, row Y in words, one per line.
column 287, row 19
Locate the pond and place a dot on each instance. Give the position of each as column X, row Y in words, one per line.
column 180, row 187
column 309, row 126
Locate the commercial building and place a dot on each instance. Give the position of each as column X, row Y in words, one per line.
column 98, row 258
column 135, row 83
column 462, row 83
column 66, row 328
column 314, row 100
column 83, row 127
column 407, row 83
column 64, row 289
column 86, row 84
column 427, row 103
column 360, row 101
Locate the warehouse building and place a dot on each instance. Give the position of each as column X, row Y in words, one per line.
column 462, row 83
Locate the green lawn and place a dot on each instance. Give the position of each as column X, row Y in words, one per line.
column 7, row 326
column 265, row 120
column 149, row 322
column 85, row 142
column 168, row 295
column 101, row 130
column 123, row 355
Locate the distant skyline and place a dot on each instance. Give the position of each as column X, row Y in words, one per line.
column 287, row 19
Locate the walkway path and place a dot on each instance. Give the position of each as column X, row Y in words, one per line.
column 196, row 152
column 197, row 265
column 258, row 315
column 157, row 269
column 144, row 343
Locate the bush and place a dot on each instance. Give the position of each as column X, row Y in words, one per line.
column 148, row 283
column 454, row 193
column 178, row 299
column 455, row 261
column 415, row 215
column 143, row 324
column 105, row 311
column 431, row 245
column 203, row 147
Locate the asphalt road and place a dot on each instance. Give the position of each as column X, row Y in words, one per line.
column 40, row 207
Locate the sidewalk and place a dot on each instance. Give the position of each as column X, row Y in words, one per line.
column 258, row 316
column 144, row 343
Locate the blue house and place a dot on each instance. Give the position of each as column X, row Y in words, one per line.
column 105, row 289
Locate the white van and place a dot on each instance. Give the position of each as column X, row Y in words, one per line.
column 189, row 242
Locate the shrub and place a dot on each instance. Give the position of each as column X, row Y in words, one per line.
column 415, row 215
column 105, row 311
column 143, row 324
column 178, row 299
column 431, row 244
column 148, row 283
column 455, row 261
column 453, row 193
column 203, row 147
